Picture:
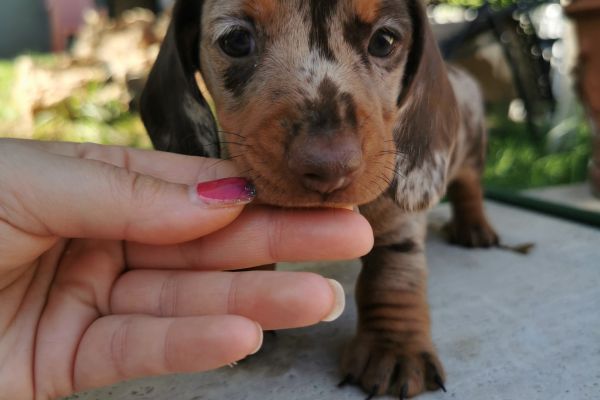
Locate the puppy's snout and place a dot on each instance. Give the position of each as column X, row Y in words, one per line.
column 325, row 165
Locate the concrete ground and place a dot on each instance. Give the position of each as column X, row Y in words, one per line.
column 576, row 196
column 507, row 326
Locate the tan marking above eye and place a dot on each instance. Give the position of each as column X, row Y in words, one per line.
column 367, row 9
column 260, row 10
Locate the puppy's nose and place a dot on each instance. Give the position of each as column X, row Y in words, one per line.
column 326, row 167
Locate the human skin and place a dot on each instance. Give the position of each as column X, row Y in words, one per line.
column 110, row 270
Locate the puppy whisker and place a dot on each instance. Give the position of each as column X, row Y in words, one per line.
column 367, row 189
column 233, row 133
column 215, row 144
column 390, row 167
column 222, row 160
column 247, row 173
column 233, row 157
column 236, row 144
column 381, row 188
column 376, row 183
column 387, row 181
column 398, row 154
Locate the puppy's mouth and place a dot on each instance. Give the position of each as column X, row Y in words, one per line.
column 282, row 182
column 299, row 164
column 301, row 197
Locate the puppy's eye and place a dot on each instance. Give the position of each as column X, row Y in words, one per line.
column 382, row 43
column 238, row 43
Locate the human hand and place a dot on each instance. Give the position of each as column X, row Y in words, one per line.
column 110, row 270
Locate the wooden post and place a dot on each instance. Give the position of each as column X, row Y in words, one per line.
column 586, row 14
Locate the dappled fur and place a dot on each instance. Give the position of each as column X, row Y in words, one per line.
column 409, row 126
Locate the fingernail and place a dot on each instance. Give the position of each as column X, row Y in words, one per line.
column 339, row 301
column 260, row 331
column 223, row 192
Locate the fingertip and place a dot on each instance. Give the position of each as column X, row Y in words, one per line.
column 321, row 299
column 210, row 342
column 244, row 337
column 222, row 193
column 260, row 338
column 368, row 237
column 361, row 239
column 339, row 301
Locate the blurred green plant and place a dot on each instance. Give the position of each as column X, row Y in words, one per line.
column 83, row 117
column 7, row 77
column 493, row 3
column 516, row 160
column 476, row 3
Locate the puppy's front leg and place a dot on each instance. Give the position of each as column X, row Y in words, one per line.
column 393, row 352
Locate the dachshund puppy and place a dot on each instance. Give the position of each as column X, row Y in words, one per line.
column 330, row 103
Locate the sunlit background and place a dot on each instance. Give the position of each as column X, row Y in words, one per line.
column 73, row 70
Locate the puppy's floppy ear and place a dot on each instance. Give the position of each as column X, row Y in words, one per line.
column 426, row 131
column 175, row 113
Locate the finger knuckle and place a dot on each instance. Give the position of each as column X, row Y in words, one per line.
column 275, row 231
column 119, row 347
column 167, row 300
column 232, row 298
column 133, row 188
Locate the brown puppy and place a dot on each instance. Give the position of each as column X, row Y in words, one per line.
column 329, row 103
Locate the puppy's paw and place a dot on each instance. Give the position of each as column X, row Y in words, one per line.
column 472, row 234
column 381, row 367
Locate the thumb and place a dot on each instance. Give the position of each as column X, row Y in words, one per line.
column 62, row 196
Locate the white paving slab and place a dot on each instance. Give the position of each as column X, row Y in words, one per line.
column 508, row 327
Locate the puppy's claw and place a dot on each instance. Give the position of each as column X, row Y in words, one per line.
column 404, row 392
column 523, row 249
column 438, row 380
column 348, row 379
column 373, row 392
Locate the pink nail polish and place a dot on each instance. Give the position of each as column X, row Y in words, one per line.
column 225, row 192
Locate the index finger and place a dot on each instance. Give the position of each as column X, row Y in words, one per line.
column 174, row 168
column 62, row 196
column 264, row 235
